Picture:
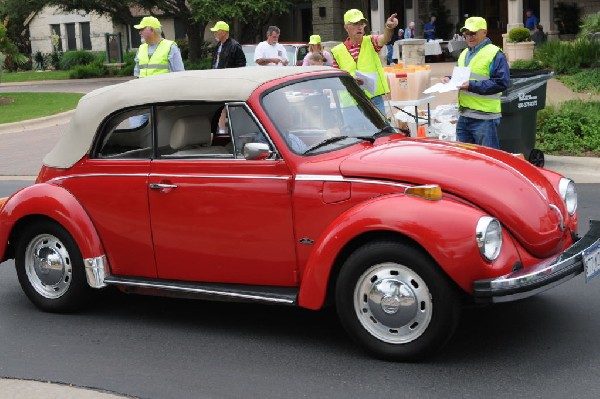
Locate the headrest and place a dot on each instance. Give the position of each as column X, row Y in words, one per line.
column 190, row 130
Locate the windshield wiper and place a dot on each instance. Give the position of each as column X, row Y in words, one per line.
column 387, row 130
column 325, row 142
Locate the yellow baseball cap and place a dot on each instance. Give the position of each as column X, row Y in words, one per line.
column 474, row 24
column 353, row 16
column 220, row 25
column 148, row 21
column 314, row 39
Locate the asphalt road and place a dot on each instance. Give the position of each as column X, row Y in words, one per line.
column 543, row 347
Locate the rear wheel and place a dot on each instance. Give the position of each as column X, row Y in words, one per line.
column 50, row 268
column 395, row 302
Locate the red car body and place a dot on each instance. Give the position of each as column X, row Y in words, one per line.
column 268, row 222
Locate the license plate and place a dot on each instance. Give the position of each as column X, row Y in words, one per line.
column 591, row 261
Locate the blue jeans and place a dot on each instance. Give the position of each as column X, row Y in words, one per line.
column 390, row 51
column 378, row 102
column 478, row 131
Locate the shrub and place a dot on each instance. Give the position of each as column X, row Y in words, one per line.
column 55, row 58
column 526, row 64
column 41, row 61
column 129, row 61
column 204, row 63
column 584, row 81
column 70, row 59
column 94, row 70
column 518, row 35
column 569, row 57
column 570, row 129
column 590, row 24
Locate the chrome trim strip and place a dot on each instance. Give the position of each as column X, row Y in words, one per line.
column 96, row 271
column 168, row 175
column 222, row 176
column 561, row 226
column 198, row 290
column 338, row 178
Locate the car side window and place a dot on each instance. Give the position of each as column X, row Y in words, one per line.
column 127, row 135
column 243, row 129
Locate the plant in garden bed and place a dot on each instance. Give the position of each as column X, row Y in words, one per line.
column 571, row 129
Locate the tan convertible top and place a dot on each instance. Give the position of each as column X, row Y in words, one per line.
column 236, row 84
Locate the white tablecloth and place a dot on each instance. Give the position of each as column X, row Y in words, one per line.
column 433, row 48
column 456, row 45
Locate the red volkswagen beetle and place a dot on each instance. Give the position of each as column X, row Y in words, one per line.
column 288, row 188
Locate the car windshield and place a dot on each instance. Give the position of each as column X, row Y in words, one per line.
column 323, row 114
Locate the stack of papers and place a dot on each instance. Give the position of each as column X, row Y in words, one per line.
column 460, row 75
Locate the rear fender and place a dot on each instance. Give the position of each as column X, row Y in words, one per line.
column 53, row 202
column 445, row 229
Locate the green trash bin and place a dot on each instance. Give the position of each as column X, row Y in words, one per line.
column 520, row 103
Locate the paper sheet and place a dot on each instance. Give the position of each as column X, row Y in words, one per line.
column 460, row 75
column 369, row 81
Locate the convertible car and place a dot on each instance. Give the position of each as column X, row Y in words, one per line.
column 288, row 188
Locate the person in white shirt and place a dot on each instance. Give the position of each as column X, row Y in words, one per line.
column 270, row 52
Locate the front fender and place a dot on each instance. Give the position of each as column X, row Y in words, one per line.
column 55, row 203
column 445, row 229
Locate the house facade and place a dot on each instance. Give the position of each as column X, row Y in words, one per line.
column 54, row 29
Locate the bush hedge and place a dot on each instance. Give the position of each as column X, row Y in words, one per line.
column 571, row 129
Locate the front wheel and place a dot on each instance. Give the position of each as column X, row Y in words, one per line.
column 395, row 302
column 50, row 268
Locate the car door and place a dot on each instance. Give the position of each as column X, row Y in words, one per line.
column 217, row 217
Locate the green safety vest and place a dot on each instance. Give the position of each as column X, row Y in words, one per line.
column 158, row 63
column 480, row 70
column 368, row 62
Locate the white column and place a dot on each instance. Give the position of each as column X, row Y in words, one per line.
column 78, row 40
column 547, row 18
column 378, row 18
column 515, row 14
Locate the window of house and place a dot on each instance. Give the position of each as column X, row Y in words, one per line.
column 71, row 39
column 86, row 37
column 55, row 37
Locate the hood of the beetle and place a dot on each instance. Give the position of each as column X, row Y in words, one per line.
column 507, row 187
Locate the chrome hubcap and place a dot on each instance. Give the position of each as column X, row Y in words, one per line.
column 48, row 266
column 393, row 303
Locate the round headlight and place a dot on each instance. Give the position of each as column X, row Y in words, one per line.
column 489, row 237
column 568, row 192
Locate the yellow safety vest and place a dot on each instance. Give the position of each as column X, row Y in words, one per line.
column 368, row 62
column 158, row 63
column 480, row 70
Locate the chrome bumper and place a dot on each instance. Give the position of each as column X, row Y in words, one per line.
column 540, row 277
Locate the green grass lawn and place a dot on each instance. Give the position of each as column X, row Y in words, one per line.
column 10, row 77
column 35, row 105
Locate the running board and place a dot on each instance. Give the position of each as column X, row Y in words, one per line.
column 211, row 291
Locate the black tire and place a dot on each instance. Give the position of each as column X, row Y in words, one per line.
column 536, row 157
column 50, row 268
column 395, row 301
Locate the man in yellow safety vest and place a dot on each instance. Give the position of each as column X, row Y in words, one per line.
column 359, row 52
column 479, row 98
column 155, row 55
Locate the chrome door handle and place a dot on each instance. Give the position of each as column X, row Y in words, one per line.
column 160, row 186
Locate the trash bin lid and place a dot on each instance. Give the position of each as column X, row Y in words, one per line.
column 528, row 73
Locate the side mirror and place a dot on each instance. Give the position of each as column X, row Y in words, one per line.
column 257, row 151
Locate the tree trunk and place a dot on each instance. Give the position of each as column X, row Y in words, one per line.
column 195, row 35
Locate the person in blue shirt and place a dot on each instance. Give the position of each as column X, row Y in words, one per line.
column 531, row 21
column 429, row 29
column 479, row 97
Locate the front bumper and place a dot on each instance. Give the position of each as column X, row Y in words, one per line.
column 542, row 276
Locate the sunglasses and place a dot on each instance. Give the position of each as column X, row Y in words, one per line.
column 467, row 33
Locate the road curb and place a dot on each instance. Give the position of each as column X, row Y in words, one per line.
column 38, row 123
column 31, row 389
